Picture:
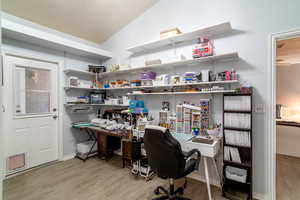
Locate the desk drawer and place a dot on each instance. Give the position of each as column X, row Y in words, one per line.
column 208, row 150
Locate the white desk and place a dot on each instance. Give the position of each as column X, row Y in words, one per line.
column 207, row 151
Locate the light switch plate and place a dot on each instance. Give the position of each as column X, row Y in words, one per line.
column 259, row 108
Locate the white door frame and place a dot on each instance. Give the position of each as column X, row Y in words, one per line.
column 1, row 128
column 271, row 115
column 60, row 77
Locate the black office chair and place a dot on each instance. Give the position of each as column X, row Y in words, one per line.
column 168, row 161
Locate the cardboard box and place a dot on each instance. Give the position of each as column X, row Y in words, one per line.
column 169, row 33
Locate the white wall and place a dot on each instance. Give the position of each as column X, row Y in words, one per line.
column 288, row 139
column 288, row 94
column 253, row 22
column 288, row 91
column 70, row 136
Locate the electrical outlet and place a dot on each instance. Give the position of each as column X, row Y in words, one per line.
column 259, row 108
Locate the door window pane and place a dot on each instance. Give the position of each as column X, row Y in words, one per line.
column 32, row 91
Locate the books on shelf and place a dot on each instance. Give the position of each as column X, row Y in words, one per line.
column 240, row 138
column 232, row 154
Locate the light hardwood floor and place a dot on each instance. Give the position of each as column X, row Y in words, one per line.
column 288, row 178
column 92, row 180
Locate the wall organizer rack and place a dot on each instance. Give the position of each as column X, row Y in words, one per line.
column 237, row 152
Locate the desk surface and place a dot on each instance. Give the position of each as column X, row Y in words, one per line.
column 182, row 137
column 288, row 123
column 97, row 129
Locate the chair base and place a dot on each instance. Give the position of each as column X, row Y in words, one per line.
column 173, row 198
column 172, row 195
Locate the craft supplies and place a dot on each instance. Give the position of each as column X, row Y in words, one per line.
column 204, row 48
column 135, row 83
column 175, row 79
column 146, row 82
column 163, row 79
column 73, row 81
column 147, row 75
column 97, row 98
column 205, row 74
column 189, row 77
column 97, row 69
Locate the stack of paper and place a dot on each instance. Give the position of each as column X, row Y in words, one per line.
column 227, row 153
column 241, row 138
column 237, row 120
column 232, row 154
column 237, row 103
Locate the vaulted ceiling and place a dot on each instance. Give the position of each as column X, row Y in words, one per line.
column 93, row 20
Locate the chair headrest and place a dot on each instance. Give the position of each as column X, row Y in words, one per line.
column 159, row 128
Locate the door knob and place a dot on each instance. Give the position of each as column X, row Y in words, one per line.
column 55, row 117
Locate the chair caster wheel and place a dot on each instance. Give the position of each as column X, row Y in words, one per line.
column 185, row 184
column 181, row 192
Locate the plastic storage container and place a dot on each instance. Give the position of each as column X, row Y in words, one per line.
column 84, row 147
column 236, row 174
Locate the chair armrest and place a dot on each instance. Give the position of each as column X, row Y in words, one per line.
column 192, row 152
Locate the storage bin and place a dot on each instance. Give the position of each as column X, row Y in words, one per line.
column 115, row 101
column 147, row 83
column 135, row 83
column 107, row 101
column 84, row 147
column 148, row 75
column 236, row 174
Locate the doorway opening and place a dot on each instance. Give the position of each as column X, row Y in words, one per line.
column 285, row 130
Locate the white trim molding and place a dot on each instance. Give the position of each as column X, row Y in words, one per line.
column 68, row 157
column 271, row 121
column 259, row 196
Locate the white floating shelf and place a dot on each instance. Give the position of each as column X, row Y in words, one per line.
column 81, row 88
column 180, row 93
column 209, row 32
column 115, row 105
column 222, row 57
column 78, row 71
column 157, row 86
column 176, row 85
column 120, row 105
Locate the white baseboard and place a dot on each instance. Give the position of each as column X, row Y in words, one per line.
column 68, row 157
column 259, row 196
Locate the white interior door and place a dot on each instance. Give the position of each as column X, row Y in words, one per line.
column 31, row 125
